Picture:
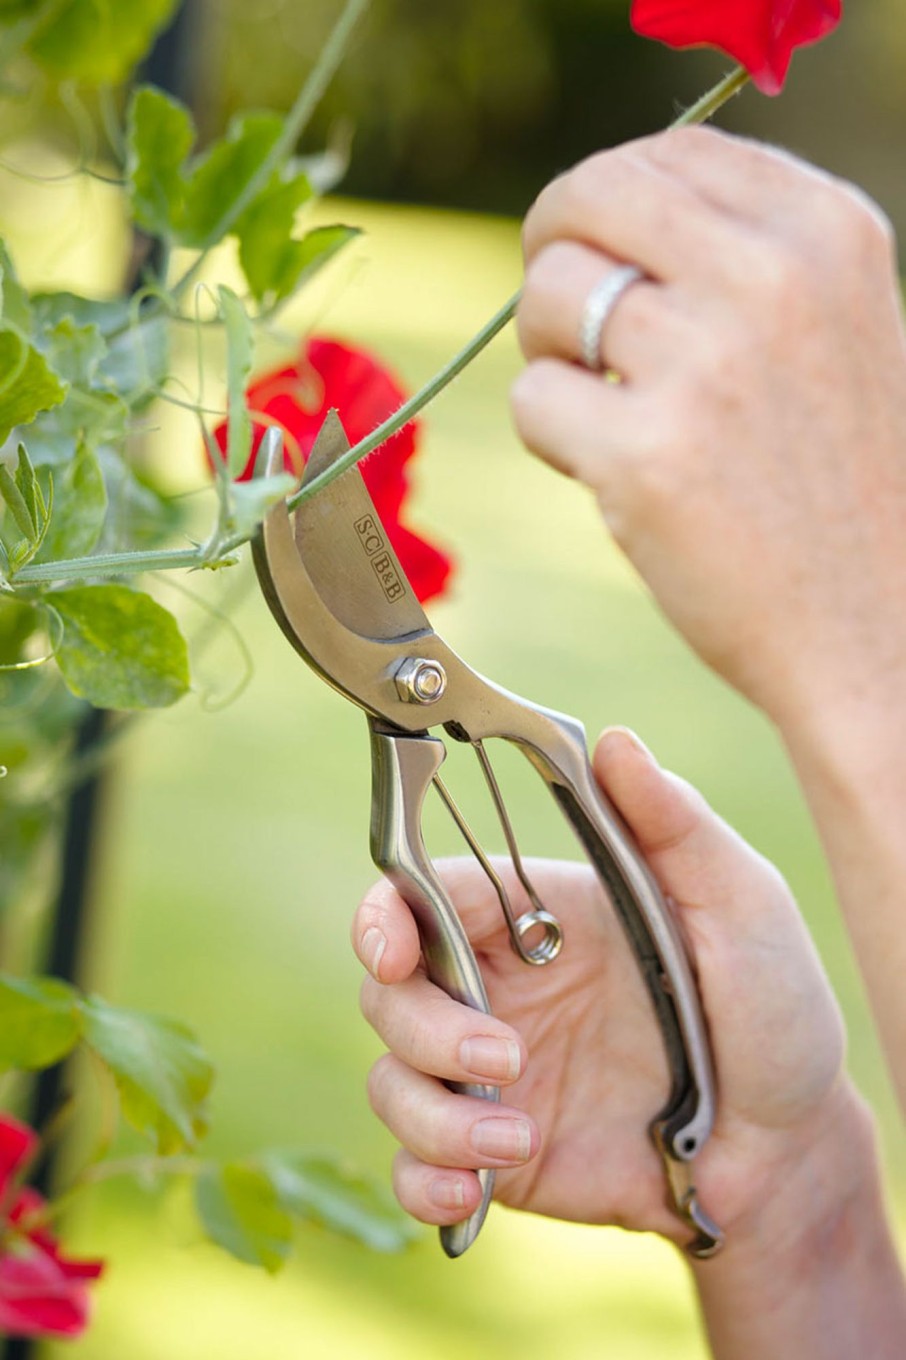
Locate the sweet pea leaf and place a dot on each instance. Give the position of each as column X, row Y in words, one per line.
column 135, row 356
column 27, row 384
column 265, row 230
column 218, row 182
column 39, row 1022
column 140, row 516
column 162, row 1075
column 108, row 314
column 319, row 246
column 239, row 365
column 97, row 41
column 74, row 351
column 16, row 306
column 29, row 510
column 137, row 359
column 160, row 134
column 18, row 621
column 240, row 1211
column 16, row 504
column 120, row 649
column 319, row 1191
column 80, row 507
column 95, row 418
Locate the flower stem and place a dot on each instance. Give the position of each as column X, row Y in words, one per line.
column 710, row 102
column 411, row 407
column 110, row 564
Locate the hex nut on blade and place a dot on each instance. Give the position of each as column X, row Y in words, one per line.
column 419, row 681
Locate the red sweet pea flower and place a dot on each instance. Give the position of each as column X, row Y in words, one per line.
column 41, row 1293
column 760, row 34
column 331, row 375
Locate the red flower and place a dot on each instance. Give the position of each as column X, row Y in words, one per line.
column 41, row 1293
column 331, row 375
column 760, row 34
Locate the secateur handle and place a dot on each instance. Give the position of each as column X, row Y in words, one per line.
column 403, row 767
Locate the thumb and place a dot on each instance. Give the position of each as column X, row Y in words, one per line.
column 696, row 857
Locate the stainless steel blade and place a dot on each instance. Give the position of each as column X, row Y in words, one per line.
column 346, row 550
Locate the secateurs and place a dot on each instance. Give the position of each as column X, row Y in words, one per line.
column 342, row 599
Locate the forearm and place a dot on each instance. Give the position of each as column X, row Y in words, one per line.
column 812, row 1273
column 852, row 768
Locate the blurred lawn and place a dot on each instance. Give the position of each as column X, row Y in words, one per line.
column 236, row 850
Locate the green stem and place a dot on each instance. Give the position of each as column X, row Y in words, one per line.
column 306, row 102
column 707, row 106
column 411, row 408
column 110, row 564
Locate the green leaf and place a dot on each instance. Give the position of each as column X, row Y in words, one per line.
column 140, row 516
column 317, row 248
column 137, row 359
column 27, row 385
column 162, row 1075
column 240, row 1211
column 27, row 482
column 160, row 134
column 39, row 1022
column 98, row 41
column 16, row 504
column 239, row 366
column 16, row 306
column 74, row 351
column 80, row 508
column 18, row 621
column 108, row 315
column 218, row 182
column 319, row 1191
column 250, row 501
column 120, row 649
column 265, row 230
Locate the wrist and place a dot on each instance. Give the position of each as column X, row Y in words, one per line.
column 809, row 1266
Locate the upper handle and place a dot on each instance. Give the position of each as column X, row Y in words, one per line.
column 556, row 746
column 402, row 770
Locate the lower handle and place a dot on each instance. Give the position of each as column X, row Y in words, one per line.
column 403, row 768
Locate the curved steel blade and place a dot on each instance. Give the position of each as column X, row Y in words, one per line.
column 346, row 551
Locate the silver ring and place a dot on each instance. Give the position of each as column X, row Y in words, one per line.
column 599, row 305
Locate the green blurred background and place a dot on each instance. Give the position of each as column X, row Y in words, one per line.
column 235, row 835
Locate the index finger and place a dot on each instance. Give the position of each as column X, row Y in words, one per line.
column 622, row 203
column 384, row 933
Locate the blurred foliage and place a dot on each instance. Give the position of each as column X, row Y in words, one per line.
column 472, row 104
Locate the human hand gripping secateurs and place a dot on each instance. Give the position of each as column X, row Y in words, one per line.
column 341, row 597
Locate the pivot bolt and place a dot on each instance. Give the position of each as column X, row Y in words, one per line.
column 419, row 681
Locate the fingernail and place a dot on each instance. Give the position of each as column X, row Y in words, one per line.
column 374, row 943
column 483, row 1056
column 506, row 1140
column 447, row 1194
column 634, row 741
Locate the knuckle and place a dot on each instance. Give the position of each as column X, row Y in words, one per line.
column 378, row 1083
column 774, row 274
column 532, row 396
column 548, row 280
column 370, row 997
column 857, row 217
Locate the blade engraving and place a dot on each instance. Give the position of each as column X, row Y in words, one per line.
column 346, row 551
